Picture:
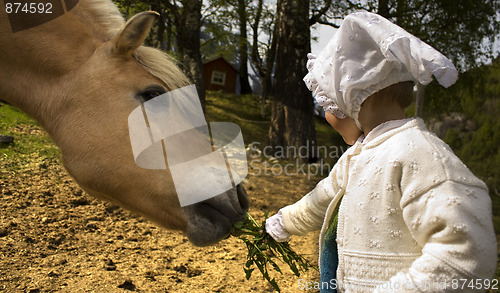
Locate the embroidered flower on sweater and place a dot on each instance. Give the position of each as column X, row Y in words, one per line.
column 453, row 201
column 435, row 220
column 374, row 244
column 391, row 211
column 395, row 233
column 459, row 228
column 414, row 167
column 374, row 219
column 470, row 193
column 394, row 164
column 374, row 195
column 416, row 223
column 430, row 195
column 390, row 187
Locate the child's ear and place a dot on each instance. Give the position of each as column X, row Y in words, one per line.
column 133, row 33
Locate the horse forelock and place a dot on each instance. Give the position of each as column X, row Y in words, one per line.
column 161, row 66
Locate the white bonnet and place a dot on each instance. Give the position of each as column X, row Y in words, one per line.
column 367, row 54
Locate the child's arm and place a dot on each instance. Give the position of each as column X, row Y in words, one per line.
column 308, row 213
column 453, row 224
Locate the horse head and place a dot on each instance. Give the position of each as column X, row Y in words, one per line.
column 85, row 110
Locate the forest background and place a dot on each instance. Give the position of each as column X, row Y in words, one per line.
column 268, row 41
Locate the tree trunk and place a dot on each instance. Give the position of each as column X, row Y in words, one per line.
column 188, row 40
column 383, row 8
column 419, row 103
column 158, row 32
column 168, row 31
column 161, row 30
column 267, row 85
column 243, row 47
column 264, row 68
column 292, row 124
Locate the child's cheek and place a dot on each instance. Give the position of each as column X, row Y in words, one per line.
column 346, row 127
column 332, row 120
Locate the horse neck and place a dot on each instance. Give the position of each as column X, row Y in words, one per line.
column 37, row 62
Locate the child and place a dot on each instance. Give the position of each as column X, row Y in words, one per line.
column 399, row 212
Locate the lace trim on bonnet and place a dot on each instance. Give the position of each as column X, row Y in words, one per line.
column 319, row 94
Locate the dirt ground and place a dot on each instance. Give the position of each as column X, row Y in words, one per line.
column 56, row 238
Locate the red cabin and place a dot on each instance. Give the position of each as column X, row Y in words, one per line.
column 220, row 75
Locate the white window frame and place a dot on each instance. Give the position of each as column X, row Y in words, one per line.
column 218, row 77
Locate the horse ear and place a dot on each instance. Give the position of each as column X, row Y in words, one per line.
column 133, row 33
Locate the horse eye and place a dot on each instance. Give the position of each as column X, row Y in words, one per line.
column 152, row 93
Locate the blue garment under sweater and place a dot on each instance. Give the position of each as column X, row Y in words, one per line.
column 329, row 259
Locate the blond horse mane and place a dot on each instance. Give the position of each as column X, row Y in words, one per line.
column 105, row 20
column 161, row 66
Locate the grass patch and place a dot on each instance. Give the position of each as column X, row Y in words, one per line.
column 29, row 136
column 244, row 110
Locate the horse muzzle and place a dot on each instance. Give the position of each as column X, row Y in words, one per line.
column 211, row 220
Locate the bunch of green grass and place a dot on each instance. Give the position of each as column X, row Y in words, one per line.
column 263, row 250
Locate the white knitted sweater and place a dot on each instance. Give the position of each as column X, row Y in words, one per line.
column 412, row 217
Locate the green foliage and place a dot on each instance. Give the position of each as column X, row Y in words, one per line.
column 263, row 250
column 220, row 29
column 487, row 138
column 130, row 7
column 463, row 30
column 477, row 96
column 453, row 138
column 456, row 28
column 15, row 123
column 476, row 151
column 219, row 40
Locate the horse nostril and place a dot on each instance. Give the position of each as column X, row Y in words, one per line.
column 242, row 197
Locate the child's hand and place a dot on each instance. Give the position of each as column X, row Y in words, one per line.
column 276, row 228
